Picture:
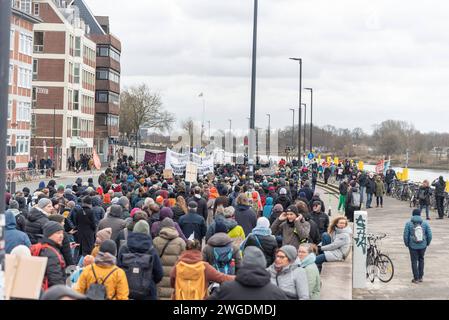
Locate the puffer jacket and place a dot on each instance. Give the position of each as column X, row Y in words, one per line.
column 221, row 239
column 54, row 271
column 165, row 213
column 313, row 275
column 340, row 247
column 409, row 230
column 14, row 237
column 142, row 243
column 171, row 254
column 34, row 224
column 267, row 243
column 292, row 234
column 116, row 223
column 292, row 279
column 229, row 223
column 268, row 208
column 246, row 218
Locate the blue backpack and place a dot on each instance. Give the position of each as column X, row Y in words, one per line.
column 223, row 261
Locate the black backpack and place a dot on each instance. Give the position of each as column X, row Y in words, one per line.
column 97, row 291
column 422, row 194
column 138, row 268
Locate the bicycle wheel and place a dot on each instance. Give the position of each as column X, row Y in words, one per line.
column 385, row 267
column 370, row 268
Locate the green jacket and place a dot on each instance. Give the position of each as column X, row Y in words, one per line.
column 380, row 189
column 313, row 276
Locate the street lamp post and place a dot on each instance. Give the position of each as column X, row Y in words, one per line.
column 305, row 118
column 300, row 100
column 209, row 129
column 268, row 135
column 253, row 95
column 293, row 128
column 311, row 116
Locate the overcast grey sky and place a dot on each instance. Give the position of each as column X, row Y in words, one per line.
column 366, row 60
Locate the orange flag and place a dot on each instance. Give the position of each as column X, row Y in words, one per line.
column 97, row 162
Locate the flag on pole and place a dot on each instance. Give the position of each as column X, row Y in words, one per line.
column 97, row 162
column 200, row 95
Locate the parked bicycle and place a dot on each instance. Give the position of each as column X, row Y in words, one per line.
column 378, row 264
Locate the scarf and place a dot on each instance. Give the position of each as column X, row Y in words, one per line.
column 105, row 259
column 310, row 259
column 262, row 231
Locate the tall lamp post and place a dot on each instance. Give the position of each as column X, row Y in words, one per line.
column 300, row 100
column 201, row 95
column 268, row 134
column 293, row 128
column 311, row 116
column 305, row 119
column 253, row 96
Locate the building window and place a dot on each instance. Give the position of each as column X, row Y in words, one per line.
column 102, row 96
column 25, row 44
column 11, row 74
column 22, row 144
column 114, row 98
column 25, row 6
column 114, row 77
column 25, row 78
column 102, row 51
column 115, row 55
column 9, row 109
column 11, row 40
column 33, row 124
column 38, row 42
column 77, row 46
column 76, row 73
column 102, row 74
column 36, row 9
column 76, row 99
column 75, row 127
column 24, row 111
column 35, row 68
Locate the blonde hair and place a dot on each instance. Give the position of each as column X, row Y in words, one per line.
column 243, row 200
column 181, row 202
column 334, row 223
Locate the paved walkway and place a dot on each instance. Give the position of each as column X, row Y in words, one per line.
column 391, row 220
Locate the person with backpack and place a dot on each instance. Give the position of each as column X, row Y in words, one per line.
column 379, row 191
column 18, row 215
column 141, row 263
column 424, row 193
column 220, row 252
column 169, row 246
column 253, row 281
column 103, row 280
column 14, row 237
column 417, row 237
column 353, row 201
column 191, row 275
column 100, row 237
column 50, row 247
column 292, row 226
column 343, row 188
column 262, row 238
column 440, row 186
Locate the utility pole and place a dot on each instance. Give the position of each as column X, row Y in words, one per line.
column 5, row 27
column 253, row 97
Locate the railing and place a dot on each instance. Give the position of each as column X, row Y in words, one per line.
column 38, row 48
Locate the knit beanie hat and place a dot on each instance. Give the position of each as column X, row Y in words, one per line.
column 167, row 223
column 133, row 212
column 254, row 256
column 43, row 203
column 220, row 227
column 193, row 205
column 51, row 227
column 116, row 211
column 278, row 208
column 263, row 222
column 13, row 204
column 159, row 200
column 293, row 209
column 142, row 227
column 103, row 235
column 290, row 252
column 109, row 246
column 123, row 201
column 416, row 212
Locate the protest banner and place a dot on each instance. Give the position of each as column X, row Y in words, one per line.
column 154, row 157
column 191, row 172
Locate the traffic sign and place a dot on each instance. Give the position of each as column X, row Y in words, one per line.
column 311, row 156
column 11, row 164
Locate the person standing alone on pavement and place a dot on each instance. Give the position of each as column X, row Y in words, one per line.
column 417, row 237
column 440, row 186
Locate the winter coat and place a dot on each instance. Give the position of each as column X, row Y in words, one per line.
column 229, row 223
column 380, row 188
column 202, row 206
column 142, row 243
column 99, row 213
column 268, row 208
column 155, row 226
column 284, row 200
column 85, row 224
column 343, row 188
column 440, row 187
column 116, row 284
column 116, row 223
column 292, row 279
column 427, row 193
column 236, row 234
column 292, row 234
column 322, row 221
column 370, row 186
column 246, row 218
column 221, row 239
column 251, row 283
column 267, row 243
column 34, row 224
column 409, row 231
column 308, row 191
column 193, row 223
column 211, row 275
column 340, row 246
column 171, row 254
column 54, row 272
column 14, row 237
column 313, row 276
column 177, row 213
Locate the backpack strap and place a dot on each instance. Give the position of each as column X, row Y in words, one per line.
column 110, row 273
column 165, row 247
column 258, row 241
column 58, row 255
column 95, row 275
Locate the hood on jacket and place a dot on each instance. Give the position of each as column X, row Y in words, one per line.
column 10, row 220
column 96, row 201
column 139, row 242
column 269, row 201
column 191, row 256
column 229, row 223
column 169, row 233
column 253, row 276
column 242, row 207
column 416, row 219
column 35, row 214
column 310, row 259
column 15, row 212
column 219, row 239
column 166, row 213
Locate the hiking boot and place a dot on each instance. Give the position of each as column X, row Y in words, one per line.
column 415, row 281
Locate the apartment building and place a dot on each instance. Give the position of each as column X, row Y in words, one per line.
column 20, row 83
column 107, row 95
column 63, row 94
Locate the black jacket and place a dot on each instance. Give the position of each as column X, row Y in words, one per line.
column 370, row 186
column 251, row 283
column 284, row 200
column 246, row 218
column 202, row 206
column 193, row 222
column 321, row 220
column 440, row 187
column 268, row 245
column 343, row 189
column 308, row 191
column 34, row 225
column 66, row 251
column 54, row 272
column 85, row 224
column 427, row 192
column 314, row 234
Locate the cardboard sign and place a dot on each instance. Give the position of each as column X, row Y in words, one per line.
column 24, row 276
column 168, row 173
column 210, row 176
column 191, row 172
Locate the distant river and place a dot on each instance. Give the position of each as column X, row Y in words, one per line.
column 417, row 175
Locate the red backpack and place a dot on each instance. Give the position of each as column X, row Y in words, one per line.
column 36, row 252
